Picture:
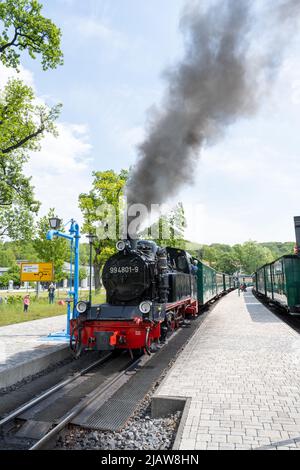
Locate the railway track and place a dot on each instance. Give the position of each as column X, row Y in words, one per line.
column 114, row 384
column 36, row 424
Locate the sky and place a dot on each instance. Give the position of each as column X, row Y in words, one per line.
column 245, row 187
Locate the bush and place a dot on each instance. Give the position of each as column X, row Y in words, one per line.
column 14, row 299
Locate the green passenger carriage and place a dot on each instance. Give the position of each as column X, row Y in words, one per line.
column 211, row 284
column 279, row 282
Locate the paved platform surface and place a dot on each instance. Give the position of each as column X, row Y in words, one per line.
column 241, row 371
column 24, row 350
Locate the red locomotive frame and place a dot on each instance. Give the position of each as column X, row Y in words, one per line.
column 132, row 335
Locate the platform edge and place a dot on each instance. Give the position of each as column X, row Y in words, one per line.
column 13, row 375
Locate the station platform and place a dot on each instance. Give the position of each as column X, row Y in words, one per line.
column 25, row 349
column 238, row 379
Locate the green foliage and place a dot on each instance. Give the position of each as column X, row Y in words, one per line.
column 22, row 125
column 22, row 250
column 12, row 275
column 56, row 251
column 246, row 257
column 251, row 256
column 107, row 189
column 84, row 255
column 23, row 122
column 280, row 249
column 82, row 274
column 7, row 256
column 176, row 222
column 227, row 263
column 24, row 28
column 14, row 299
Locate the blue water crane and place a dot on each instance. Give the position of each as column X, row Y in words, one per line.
column 74, row 238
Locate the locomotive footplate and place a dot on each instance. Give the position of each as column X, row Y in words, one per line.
column 105, row 340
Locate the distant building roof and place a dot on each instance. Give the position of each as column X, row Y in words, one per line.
column 66, row 268
column 3, row 270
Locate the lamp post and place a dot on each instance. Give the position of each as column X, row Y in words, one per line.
column 91, row 238
column 55, row 223
column 73, row 238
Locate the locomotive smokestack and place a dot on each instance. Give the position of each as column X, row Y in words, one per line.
column 133, row 242
column 233, row 50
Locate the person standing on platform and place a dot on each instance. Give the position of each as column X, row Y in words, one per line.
column 51, row 293
column 26, row 303
column 239, row 288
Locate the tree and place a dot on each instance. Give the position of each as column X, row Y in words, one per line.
column 210, row 256
column 84, row 256
column 22, row 125
column 55, row 251
column 7, row 257
column 107, row 188
column 23, row 122
column 279, row 249
column 227, row 263
column 25, row 29
column 251, row 256
column 22, row 250
column 177, row 225
column 82, row 274
column 12, row 275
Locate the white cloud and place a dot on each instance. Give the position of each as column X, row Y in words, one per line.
column 68, row 152
column 24, row 74
column 60, row 171
column 206, row 226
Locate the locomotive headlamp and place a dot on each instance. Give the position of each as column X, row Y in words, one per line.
column 145, row 307
column 81, row 307
column 121, row 245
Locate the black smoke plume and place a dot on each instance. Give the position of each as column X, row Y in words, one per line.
column 221, row 79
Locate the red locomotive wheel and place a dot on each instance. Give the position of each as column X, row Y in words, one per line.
column 75, row 343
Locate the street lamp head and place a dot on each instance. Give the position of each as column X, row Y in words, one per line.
column 91, row 237
column 55, row 223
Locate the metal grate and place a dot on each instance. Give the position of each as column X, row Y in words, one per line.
column 65, row 400
column 114, row 414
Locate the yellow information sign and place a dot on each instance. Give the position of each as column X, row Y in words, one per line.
column 37, row 272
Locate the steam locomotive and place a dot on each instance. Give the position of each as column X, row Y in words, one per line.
column 151, row 291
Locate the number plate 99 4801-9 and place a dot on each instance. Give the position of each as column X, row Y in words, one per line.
column 125, row 270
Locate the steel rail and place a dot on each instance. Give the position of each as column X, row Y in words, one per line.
column 80, row 406
column 51, row 390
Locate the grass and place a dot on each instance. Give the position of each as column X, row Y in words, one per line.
column 39, row 308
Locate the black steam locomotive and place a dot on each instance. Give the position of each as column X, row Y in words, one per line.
column 150, row 291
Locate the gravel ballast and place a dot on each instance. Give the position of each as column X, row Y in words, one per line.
column 141, row 433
